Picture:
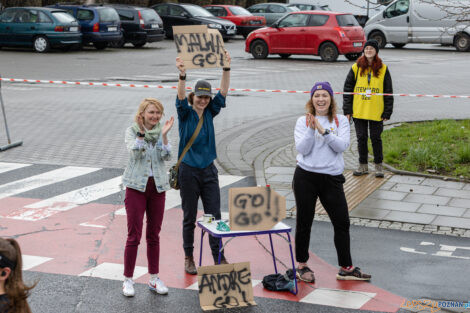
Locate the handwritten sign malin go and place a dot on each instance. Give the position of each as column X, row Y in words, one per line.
column 225, row 286
column 255, row 208
column 199, row 46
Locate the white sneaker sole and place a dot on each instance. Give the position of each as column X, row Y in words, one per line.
column 339, row 277
column 128, row 294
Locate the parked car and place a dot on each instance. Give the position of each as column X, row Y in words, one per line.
column 40, row 28
column 310, row 7
column 245, row 21
column 99, row 24
column 322, row 33
column 139, row 25
column 174, row 14
column 271, row 11
column 405, row 21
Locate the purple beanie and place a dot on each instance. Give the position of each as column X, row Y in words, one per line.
column 321, row 86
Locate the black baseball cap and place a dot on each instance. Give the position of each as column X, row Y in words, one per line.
column 203, row 88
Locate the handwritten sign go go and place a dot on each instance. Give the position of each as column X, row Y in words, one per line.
column 255, row 208
column 199, row 46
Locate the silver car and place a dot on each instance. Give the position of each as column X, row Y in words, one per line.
column 271, row 11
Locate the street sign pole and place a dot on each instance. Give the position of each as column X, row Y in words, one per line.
column 9, row 145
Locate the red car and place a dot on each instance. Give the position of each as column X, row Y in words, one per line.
column 322, row 33
column 245, row 21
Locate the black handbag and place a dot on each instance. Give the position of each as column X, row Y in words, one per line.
column 173, row 174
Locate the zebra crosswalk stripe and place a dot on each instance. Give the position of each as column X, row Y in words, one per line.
column 6, row 167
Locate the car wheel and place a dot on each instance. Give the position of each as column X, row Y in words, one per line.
column 284, row 55
column 259, row 49
column 398, row 45
column 100, row 45
column 41, row 44
column 139, row 44
column 462, row 42
column 379, row 37
column 352, row 56
column 117, row 44
column 328, row 52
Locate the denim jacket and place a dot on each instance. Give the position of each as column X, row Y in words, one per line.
column 137, row 170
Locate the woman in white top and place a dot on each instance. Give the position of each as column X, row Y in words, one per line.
column 321, row 137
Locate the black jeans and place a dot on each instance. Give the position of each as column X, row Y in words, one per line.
column 376, row 129
column 308, row 186
column 195, row 183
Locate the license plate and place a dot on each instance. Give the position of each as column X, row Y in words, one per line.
column 73, row 29
column 230, row 31
column 357, row 44
column 154, row 26
column 112, row 28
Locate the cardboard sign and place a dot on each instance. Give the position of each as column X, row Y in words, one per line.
column 255, row 208
column 225, row 286
column 199, row 46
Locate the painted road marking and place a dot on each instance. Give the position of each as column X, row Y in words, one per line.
column 6, row 167
column 445, row 250
column 30, row 261
column 67, row 201
column 338, row 298
column 113, row 271
column 44, row 179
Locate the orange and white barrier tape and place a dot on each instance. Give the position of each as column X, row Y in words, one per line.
column 105, row 84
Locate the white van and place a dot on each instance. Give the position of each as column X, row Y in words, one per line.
column 420, row 21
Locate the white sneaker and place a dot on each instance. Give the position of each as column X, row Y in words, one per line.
column 128, row 287
column 158, row 286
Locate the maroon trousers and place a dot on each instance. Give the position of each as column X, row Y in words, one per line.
column 137, row 204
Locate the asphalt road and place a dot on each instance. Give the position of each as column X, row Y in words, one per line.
column 68, row 125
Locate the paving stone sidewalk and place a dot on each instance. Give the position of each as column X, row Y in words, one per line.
column 409, row 203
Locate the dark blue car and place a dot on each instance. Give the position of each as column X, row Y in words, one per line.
column 100, row 24
column 40, row 28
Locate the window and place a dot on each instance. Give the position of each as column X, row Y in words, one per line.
column 8, row 16
column 259, row 9
column 126, row 15
column 217, row 11
column 276, row 9
column 176, row 11
column 23, row 16
column 398, row 8
column 346, row 20
column 162, row 10
column 239, row 11
column 84, row 15
column 294, row 20
column 108, row 15
column 63, row 17
column 318, row 20
column 150, row 16
column 43, row 18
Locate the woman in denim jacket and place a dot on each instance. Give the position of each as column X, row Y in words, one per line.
column 146, row 181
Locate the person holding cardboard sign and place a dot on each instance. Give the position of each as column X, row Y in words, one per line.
column 321, row 137
column 146, row 181
column 197, row 174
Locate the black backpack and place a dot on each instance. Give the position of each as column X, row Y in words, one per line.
column 279, row 282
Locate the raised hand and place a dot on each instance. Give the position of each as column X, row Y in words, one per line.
column 140, row 123
column 228, row 59
column 311, row 121
column 180, row 65
column 167, row 126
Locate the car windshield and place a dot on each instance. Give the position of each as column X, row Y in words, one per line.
column 346, row 20
column 108, row 15
column 293, row 9
column 239, row 11
column 63, row 17
column 150, row 16
column 197, row 11
column 325, row 8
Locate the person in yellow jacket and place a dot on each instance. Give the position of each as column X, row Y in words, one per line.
column 367, row 76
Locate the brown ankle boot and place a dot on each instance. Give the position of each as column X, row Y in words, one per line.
column 189, row 265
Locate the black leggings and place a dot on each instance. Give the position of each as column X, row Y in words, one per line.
column 308, row 186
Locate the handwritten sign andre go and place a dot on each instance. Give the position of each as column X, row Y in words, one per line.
column 199, row 46
column 255, row 208
column 225, row 286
